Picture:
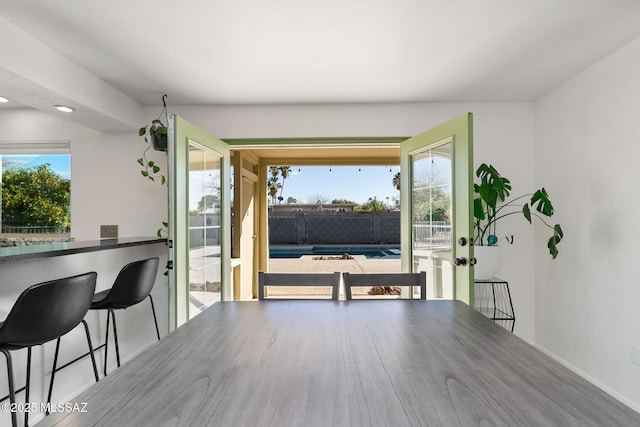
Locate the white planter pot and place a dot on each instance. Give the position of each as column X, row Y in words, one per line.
column 487, row 262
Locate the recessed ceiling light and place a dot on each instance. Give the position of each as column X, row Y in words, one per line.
column 65, row 108
column 3, row 99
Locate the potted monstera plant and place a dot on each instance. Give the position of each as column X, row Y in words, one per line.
column 490, row 206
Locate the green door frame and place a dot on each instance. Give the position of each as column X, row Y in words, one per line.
column 184, row 134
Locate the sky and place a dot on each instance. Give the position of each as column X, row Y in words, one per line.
column 60, row 163
column 355, row 183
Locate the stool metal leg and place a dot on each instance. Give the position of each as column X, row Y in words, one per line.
column 110, row 313
column 93, row 356
column 12, row 390
column 55, row 363
column 115, row 337
column 53, row 372
column 106, row 342
column 111, row 317
column 26, row 391
column 155, row 320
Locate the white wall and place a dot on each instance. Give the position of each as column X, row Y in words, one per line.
column 503, row 136
column 587, row 149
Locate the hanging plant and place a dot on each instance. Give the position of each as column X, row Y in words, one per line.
column 155, row 135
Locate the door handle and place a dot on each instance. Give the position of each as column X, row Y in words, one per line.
column 460, row 261
column 473, row 261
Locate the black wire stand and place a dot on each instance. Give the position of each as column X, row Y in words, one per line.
column 493, row 300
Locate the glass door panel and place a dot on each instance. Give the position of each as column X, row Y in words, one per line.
column 204, row 228
column 431, row 205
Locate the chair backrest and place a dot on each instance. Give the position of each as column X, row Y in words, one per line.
column 48, row 310
column 299, row 279
column 133, row 284
column 383, row 280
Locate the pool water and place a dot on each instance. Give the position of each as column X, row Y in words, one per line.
column 369, row 251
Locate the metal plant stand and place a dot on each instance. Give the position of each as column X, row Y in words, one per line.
column 493, row 300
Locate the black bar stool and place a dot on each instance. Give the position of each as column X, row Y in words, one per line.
column 133, row 284
column 42, row 313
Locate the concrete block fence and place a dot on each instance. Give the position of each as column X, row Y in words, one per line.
column 309, row 227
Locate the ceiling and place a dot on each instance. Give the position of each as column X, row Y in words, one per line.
column 207, row 52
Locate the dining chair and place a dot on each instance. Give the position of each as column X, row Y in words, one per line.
column 384, row 280
column 132, row 286
column 42, row 313
column 331, row 280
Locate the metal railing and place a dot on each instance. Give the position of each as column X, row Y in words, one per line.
column 431, row 234
column 35, row 229
column 204, row 235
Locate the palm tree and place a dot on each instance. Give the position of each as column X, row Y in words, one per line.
column 273, row 186
column 273, row 170
column 284, row 171
column 396, row 181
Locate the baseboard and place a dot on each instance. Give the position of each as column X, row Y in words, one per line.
column 623, row 399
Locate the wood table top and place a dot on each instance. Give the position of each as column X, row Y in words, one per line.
column 344, row 363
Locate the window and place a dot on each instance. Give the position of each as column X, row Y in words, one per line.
column 36, row 188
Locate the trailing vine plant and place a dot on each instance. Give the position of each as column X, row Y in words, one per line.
column 155, row 136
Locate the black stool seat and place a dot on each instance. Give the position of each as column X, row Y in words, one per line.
column 99, row 299
column 42, row 313
column 133, row 285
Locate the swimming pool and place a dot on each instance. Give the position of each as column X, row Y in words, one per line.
column 369, row 251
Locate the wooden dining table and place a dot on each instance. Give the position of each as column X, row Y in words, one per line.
column 343, row 363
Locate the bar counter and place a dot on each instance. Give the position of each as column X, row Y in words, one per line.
column 49, row 250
